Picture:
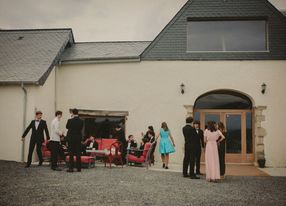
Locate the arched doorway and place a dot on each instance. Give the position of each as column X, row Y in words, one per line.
column 235, row 110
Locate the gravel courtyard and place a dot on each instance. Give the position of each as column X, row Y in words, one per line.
column 131, row 186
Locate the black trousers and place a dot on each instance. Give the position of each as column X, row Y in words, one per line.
column 198, row 160
column 75, row 150
column 31, row 150
column 56, row 151
column 221, row 155
column 189, row 161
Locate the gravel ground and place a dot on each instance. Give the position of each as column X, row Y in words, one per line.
column 131, row 186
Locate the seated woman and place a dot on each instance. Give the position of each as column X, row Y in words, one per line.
column 149, row 135
column 142, row 145
column 89, row 143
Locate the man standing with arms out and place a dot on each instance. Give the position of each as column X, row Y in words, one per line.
column 74, row 137
column 38, row 127
column 191, row 146
column 55, row 141
column 200, row 133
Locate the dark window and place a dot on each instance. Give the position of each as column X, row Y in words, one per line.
column 102, row 127
column 249, row 139
column 197, row 116
column 233, row 134
column 229, row 35
column 223, row 99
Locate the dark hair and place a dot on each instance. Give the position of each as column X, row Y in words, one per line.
column 145, row 140
column 197, row 122
column 189, row 120
column 38, row 112
column 130, row 136
column 58, row 113
column 211, row 126
column 221, row 127
column 164, row 126
column 151, row 128
column 75, row 111
column 117, row 126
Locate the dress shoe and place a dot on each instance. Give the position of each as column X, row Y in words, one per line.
column 163, row 165
column 195, row 177
column 40, row 163
column 56, row 169
column 79, row 170
column 199, row 173
column 27, row 166
column 70, row 170
column 166, row 167
column 186, row 175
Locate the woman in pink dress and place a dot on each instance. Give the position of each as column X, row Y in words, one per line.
column 211, row 136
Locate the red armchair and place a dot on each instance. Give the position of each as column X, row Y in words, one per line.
column 145, row 158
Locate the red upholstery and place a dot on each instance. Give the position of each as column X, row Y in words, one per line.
column 105, row 143
column 142, row 158
column 45, row 151
column 84, row 159
column 133, row 158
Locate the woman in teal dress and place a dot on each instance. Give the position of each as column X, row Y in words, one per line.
column 167, row 144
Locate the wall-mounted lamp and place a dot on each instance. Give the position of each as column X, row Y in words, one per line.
column 182, row 88
column 263, row 88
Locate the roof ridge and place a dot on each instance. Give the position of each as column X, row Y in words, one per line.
column 109, row 42
column 42, row 29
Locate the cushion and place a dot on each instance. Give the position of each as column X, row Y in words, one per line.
column 105, row 143
column 84, row 159
column 132, row 158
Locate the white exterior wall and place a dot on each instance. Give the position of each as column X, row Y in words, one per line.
column 12, row 111
column 150, row 92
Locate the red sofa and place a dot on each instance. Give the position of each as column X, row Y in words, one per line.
column 45, row 151
column 105, row 143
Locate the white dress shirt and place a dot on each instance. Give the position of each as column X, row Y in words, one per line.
column 37, row 122
column 55, row 130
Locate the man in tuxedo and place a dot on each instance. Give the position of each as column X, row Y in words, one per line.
column 200, row 133
column 120, row 136
column 74, row 137
column 192, row 143
column 38, row 127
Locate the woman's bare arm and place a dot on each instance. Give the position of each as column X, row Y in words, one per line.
column 172, row 139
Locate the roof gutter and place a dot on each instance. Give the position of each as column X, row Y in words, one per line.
column 101, row 61
column 24, row 118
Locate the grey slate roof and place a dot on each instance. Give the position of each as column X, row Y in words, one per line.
column 171, row 43
column 28, row 56
column 88, row 51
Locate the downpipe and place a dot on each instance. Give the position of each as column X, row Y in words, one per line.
column 24, row 119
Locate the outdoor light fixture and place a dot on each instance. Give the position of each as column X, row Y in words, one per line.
column 263, row 88
column 182, row 88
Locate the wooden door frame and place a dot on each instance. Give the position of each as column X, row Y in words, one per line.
column 243, row 157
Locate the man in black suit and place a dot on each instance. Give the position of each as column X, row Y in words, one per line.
column 192, row 143
column 200, row 133
column 120, row 136
column 74, row 137
column 38, row 127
